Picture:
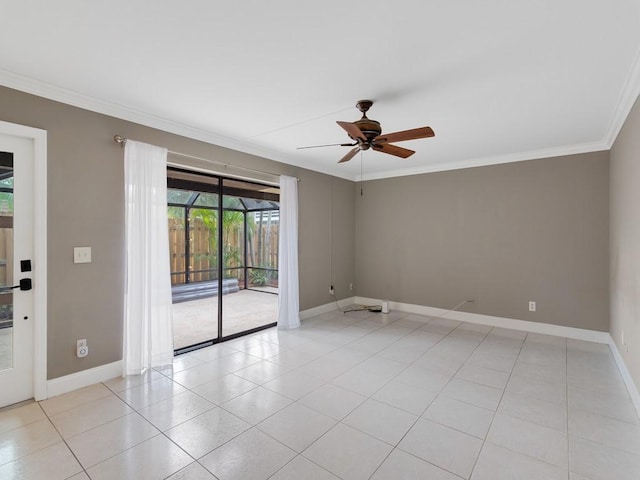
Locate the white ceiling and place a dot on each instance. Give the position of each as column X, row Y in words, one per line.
column 497, row 80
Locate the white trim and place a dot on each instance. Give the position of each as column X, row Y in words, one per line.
column 495, row 160
column 326, row 308
column 84, row 378
column 513, row 324
column 626, row 375
column 68, row 97
column 53, row 92
column 39, row 138
column 521, row 325
column 628, row 96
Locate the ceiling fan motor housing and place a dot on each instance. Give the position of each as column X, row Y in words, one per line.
column 370, row 128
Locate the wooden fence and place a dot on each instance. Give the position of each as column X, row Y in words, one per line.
column 263, row 249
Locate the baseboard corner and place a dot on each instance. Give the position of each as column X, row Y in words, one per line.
column 626, row 375
column 83, row 378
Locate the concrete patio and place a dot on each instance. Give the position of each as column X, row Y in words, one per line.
column 197, row 320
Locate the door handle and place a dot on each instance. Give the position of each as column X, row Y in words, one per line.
column 25, row 284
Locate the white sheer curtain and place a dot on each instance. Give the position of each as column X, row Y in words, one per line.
column 288, row 300
column 148, row 327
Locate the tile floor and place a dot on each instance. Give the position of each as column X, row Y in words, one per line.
column 357, row 396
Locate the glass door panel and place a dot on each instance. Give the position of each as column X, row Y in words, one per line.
column 250, row 240
column 193, row 248
column 224, row 256
column 6, row 264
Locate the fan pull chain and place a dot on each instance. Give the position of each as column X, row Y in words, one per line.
column 361, row 154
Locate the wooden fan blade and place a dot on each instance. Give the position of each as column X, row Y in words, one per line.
column 349, row 155
column 329, row 145
column 393, row 150
column 414, row 134
column 353, row 130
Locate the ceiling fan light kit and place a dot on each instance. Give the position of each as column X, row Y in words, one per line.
column 367, row 133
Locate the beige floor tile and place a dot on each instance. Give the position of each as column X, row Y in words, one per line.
column 607, row 431
column 599, row 462
column 151, row 392
column 256, row 405
column 26, row 440
column 405, row 397
column 303, row 428
column 20, row 416
column 194, row 471
column 120, row 384
column 296, row 426
column 530, row 439
column 105, row 441
column 250, row 456
column 206, row 432
column 55, row 462
column 479, row 395
column 348, row 453
column 497, row 463
column 172, row 411
column 333, row 401
column 460, row 416
column 70, row 400
column 89, row 415
column 541, row 412
column 154, row 458
column 301, row 468
column 442, row 446
column 225, row 388
column 400, row 465
column 381, row 421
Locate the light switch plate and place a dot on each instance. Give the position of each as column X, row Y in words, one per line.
column 81, row 254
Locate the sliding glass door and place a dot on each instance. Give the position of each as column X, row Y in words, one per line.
column 250, row 255
column 223, row 240
column 193, row 249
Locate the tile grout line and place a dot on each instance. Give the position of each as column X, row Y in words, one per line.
column 526, row 421
column 484, row 441
column 65, row 442
column 340, row 421
column 434, row 399
column 255, row 426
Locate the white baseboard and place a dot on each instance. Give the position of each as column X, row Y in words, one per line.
column 513, row 324
column 77, row 380
column 626, row 375
column 326, row 308
column 523, row 325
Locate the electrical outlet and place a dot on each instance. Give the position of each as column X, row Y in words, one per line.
column 82, row 350
column 331, row 290
column 532, row 306
column 81, row 254
column 350, row 286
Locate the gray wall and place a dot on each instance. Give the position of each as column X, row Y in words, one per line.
column 504, row 234
column 625, row 242
column 85, row 208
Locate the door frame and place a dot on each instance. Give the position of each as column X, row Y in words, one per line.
column 219, row 189
column 39, row 139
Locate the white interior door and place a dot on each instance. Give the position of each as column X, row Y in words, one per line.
column 16, row 253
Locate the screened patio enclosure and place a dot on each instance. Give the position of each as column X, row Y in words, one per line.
column 224, row 274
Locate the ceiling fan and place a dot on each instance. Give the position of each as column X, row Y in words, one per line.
column 367, row 134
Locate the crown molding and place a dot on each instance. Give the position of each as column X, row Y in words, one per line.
column 123, row 112
column 628, row 96
column 69, row 97
column 630, row 92
column 496, row 160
